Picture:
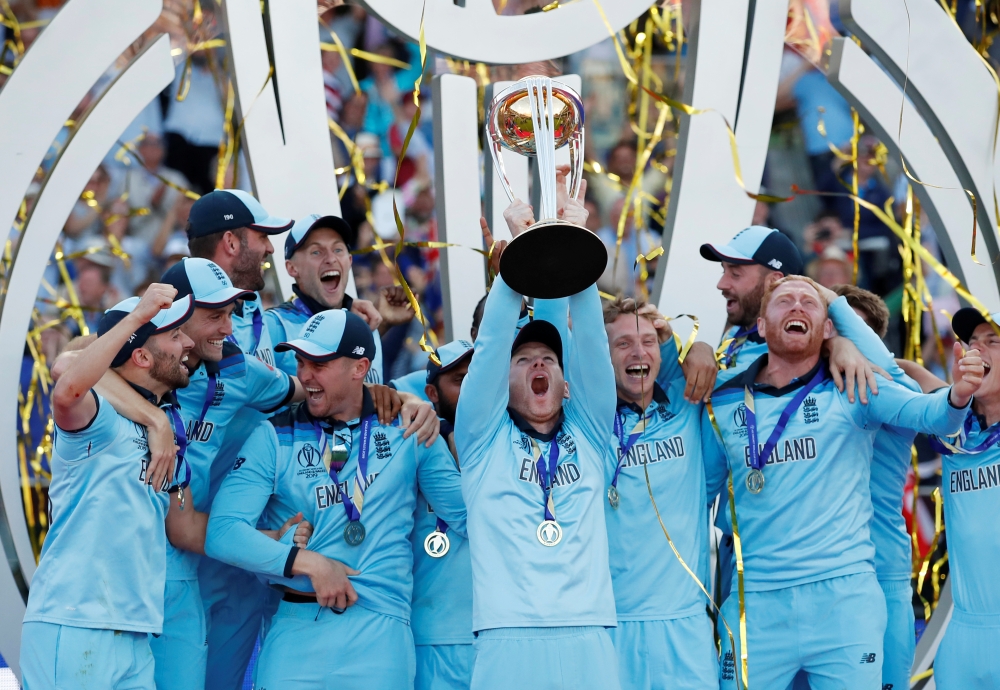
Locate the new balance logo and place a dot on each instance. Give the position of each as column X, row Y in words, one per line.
column 358, row 350
column 775, row 264
column 868, row 658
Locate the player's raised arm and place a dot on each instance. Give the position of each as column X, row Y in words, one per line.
column 590, row 375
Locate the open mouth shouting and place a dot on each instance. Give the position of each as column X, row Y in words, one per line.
column 637, row 371
column 330, row 279
column 314, row 393
column 540, row 385
column 796, row 326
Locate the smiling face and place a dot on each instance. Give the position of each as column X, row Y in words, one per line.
column 320, row 267
column 331, row 386
column 986, row 340
column 208, row 329
column 537, row 386
column 743, row 286
column 795, row 322
column 169, row 354
column 635, row 355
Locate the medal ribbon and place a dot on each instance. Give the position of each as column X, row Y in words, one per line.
column 353, row 503
column 758, row 457
column 547, row 474
column 303, row 309
column 209, row 397
column 623, row 444
column 181, row 437
column 258, row 328
column 955, row 444
column 442, row 526
column 726, row 354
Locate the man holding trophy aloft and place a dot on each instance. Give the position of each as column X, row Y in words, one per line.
column 532, row 467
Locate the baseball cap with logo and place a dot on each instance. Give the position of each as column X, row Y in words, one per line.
column 757, row 245
column 165, row 320
column 451, row 355
column 539, row 331
column 300, row 231
column 966, row 320
column 228, row 209
column 331, row 334
column 206, row 282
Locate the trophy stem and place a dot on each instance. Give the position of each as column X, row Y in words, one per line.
column 543, row 119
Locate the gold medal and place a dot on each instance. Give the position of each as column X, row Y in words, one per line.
column 437, row 544
column 549, row 533
column 755, row 481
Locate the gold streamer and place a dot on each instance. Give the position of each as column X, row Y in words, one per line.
column 854, row 190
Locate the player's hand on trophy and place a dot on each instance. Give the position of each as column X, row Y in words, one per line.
column 967, row 373
column 850, row 368
column 495, row 249
column 570, row 209
column 157, row 296
column 519, row 216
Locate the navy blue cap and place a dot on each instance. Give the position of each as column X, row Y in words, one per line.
column 228, row 209
column 966, row 320
column 300, row 231
column 206, row 282
column 331, row 334
column 758, row 245
column 450, row 355
column 165, row 320
column 539, row 331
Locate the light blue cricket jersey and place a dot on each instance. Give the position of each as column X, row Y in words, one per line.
column 250, row 331
column 891, row 458
column 649, row 581
column 104, row 558
column 812, row 520
column 518, row 582
column 743, row 355
column 240, row 381
column 413, row 382
column 285, row 322
column 442, row 587
column 280, row 472
column 971, row 509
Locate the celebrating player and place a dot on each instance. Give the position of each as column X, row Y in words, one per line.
column 98, row 590
column 536, row 525
column 800, row 453
column 442, row 569
column 356, row 481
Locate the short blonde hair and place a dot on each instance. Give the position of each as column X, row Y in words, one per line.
column 769, row 290
column 623, row 305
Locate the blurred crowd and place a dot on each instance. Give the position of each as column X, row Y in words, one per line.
column 128, row 225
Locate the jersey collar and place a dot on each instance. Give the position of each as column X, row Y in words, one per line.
column 167, row 399
column 522, row 424
column 749, row 376
column 659, row 398
column 314, row 306
column 367, row 409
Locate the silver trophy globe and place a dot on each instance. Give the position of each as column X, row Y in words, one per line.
column 534, row 117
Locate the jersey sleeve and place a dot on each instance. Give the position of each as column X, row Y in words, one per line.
column 485, row 390
column 932, row 413
column 100, row 433
column 374, row 374
column 441, row 483
column 276, row 331
column 232, row 535
column 267, row 389
column 714, row 457
column 670, row 368
column 556, row 312
column 853, row 327
column 589, row 372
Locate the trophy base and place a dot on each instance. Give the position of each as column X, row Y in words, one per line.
column 553, row 259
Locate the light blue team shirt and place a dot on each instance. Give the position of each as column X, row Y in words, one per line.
column 104, row 558
column 240, row 381
column 413, row 382
column 743, row 356
column 971, row 509
column 244, row 335
column 891, row 457
column 518, row 582
column 286, row 321
column 280, row 472
column 442, row 587
column 812, row 520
